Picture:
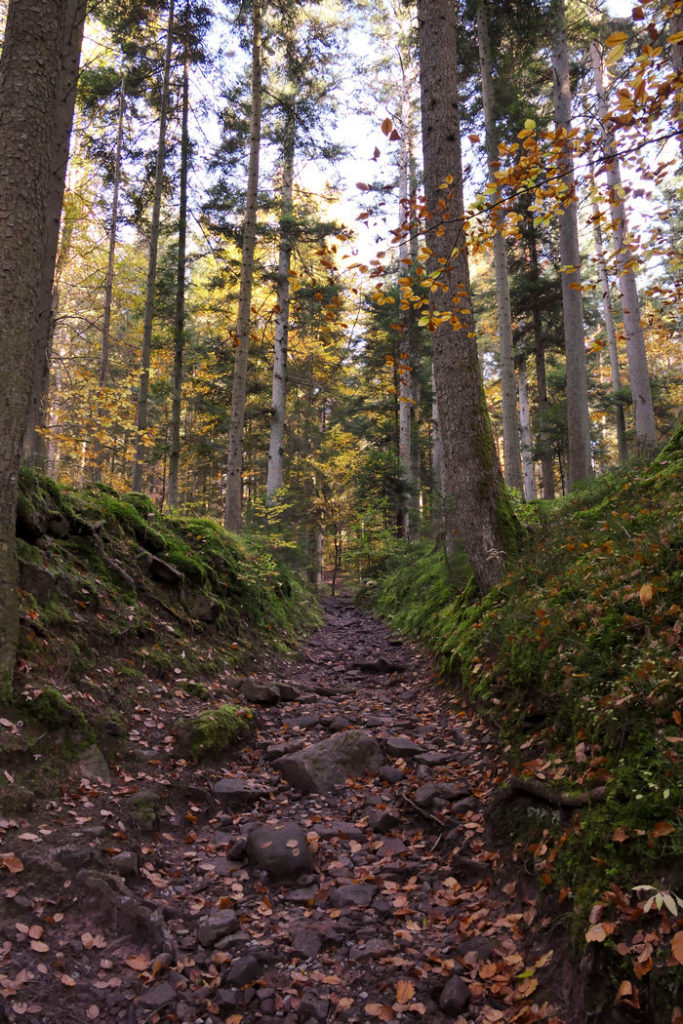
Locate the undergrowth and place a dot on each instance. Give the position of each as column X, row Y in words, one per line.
column 576, row 658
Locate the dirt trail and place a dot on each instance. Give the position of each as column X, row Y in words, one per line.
column 403, row 915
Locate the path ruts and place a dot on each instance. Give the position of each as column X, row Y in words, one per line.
column 404, row 914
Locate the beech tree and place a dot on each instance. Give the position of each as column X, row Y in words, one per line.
column 29, row 75
column 472, row 475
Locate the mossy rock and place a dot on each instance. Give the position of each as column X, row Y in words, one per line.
column 54, row 712
column 214, row 731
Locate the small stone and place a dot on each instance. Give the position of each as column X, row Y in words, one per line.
column 313, row 1007
column 242, row 971
column 455, row 996
column 216, row 926
column 401, row 746
column 391, row 774
column 92, row 765
column 338, row 723
column 232, row 792
column 287, row 691
column 125, row 863
column 228, row 998
column 353, row 895
column 306, row 942
column 281, row 850
column 158, row 996
column 433, row 758
column 259, row 692
column 426, row 794
column 384, row 820
column 74, row 857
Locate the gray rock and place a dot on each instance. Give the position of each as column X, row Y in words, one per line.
column 161, row 571
column 92, row 765
column 306, row 941
column 337, row 723
column 74, row 857
column 281, row 850
column 259, row 692
column 313, row 1007
column 425, row 795
column 354, row 894
column 288, row 692
column 36, row 581
column 401, row 746
column 301, row 897
column 391, row 774
column 455, row 996
column 232, row 792
column 216, row 926
column 125, row 863
column 435, row 757
column 383, row 820
column 158, row 996
column 324, row 765
column 228, row 998
column 242, row 971
column 275, row 750
column 205, row 608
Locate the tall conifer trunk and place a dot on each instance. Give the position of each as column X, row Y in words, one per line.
column 113, row 230
column 511, row 447
column 233, row 484
column 578, row 421
column 179, row 323
column 276, row 452
column 646, row 430
column 142, row 410
column 73, row 24
column 29, row 75
column 473, row 480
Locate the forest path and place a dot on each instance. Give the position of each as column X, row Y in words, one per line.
column 402, row 912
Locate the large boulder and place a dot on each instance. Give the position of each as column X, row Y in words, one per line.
column 324, row 765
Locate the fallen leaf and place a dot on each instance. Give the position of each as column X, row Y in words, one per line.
column 599, row 932
column 67, row 980
column 93, row 1012
column 11, row 862
column 139, row 962
column 677, row 946
column 405, row 990
column 662, row 828
column 619, row 835
column 379, row 1010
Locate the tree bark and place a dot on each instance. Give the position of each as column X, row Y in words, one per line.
column 473, row 479
column 610, row 329
column 142, row 411
column 646, row 430
column 276, row 450
column 578, row 420
column 29, row 73
column 547, row 474
column 511, row 447
column 73, row 24
column 113, row 228
column 233, row 484
column 525, row 426
column 179, row 324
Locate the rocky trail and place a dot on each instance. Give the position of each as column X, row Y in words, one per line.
column 337, row 867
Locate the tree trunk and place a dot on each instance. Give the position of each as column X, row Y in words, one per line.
column 646, row 430
column 547, row 474
column 578, row 421
column 179, row 325
column 142, row 412
column 473, row 479
column 233, row 484
column 511, row 447
column 29, row 74
column 113, row 228
column 69, row 61
column 525, row 423
column 276, row 451
column 610, row 330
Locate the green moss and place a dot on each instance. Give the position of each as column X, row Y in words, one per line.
column 215, row 730
column 55, row 713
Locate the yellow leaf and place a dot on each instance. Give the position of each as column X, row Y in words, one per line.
column 529, row 124
column 675, row 39
column 405, row 990
column 646, row 593
column 616, row 39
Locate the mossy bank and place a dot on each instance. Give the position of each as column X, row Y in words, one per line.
column 119, row 601
column 576, row 659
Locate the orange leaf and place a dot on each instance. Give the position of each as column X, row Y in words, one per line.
column 662, row 828
column 405, row 990
column 386, row 128
column 625, row 989
column 379, row 1010
column 139, row 962
column 619, row 835
column 11, row 862
column 599, row 932
column 66, row 979
column 677, row 946
column 646, row 593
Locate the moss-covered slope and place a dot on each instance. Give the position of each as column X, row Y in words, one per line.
column 577, row 659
